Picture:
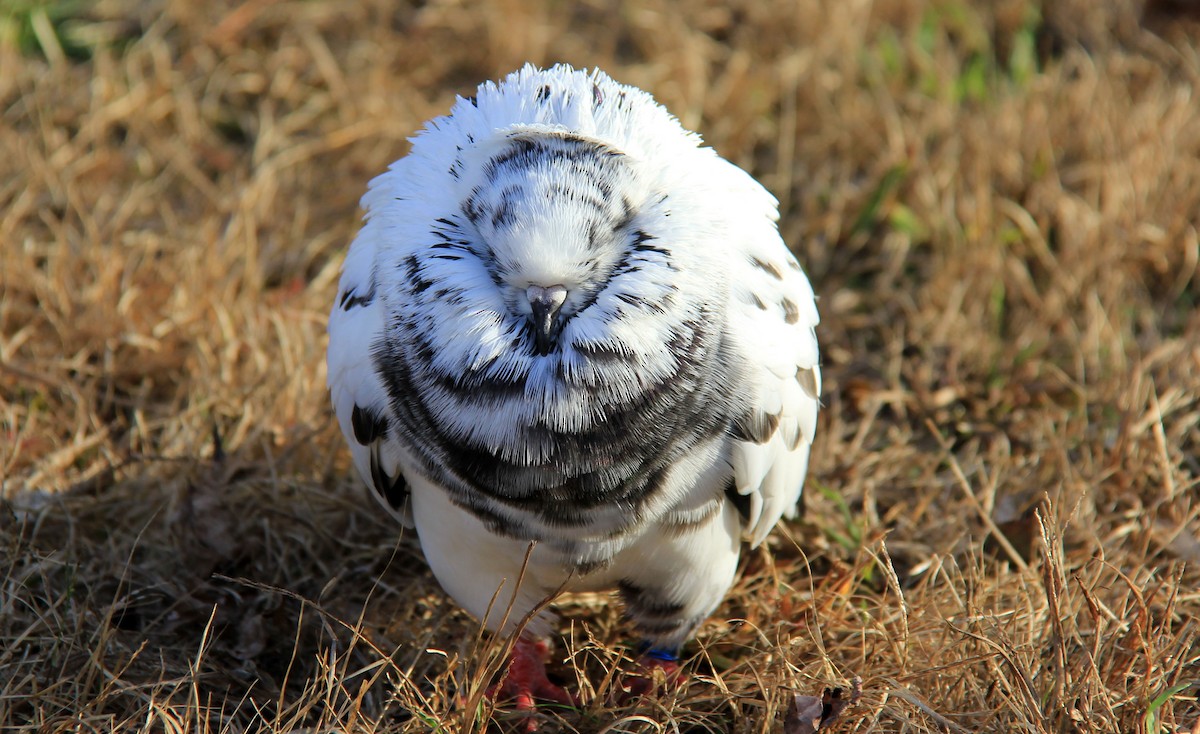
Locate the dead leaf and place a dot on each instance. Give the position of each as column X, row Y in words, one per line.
column 804, row 715
column 810, row 714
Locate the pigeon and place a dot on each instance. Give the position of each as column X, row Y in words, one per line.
column 570, row 348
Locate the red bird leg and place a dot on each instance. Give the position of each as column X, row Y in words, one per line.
column 525, row 680
column 655, row 665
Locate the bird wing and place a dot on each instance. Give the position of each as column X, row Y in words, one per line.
column 359, row 396
column 772, row 322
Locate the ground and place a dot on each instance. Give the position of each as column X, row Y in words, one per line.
column 997, row 203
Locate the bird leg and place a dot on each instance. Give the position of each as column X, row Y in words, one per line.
column 525, row 680
column 656, row 669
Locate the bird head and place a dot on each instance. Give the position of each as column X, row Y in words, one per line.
column 553, row 225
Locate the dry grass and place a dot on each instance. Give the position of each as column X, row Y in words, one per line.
column 997, row 203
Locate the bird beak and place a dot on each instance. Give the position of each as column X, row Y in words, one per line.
column 545, row 303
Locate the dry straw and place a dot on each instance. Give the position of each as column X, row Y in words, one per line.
column 996, row 201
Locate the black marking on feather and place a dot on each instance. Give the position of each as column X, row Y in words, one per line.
column 678, row 523
column 350, row 299
column 640, row 252
column 417, row 281
column 583, row 568
column 768, row 267
column 594, row 202
column 503, row 216
column 394, row 490
column 628, row 210
column 755, row 427
column 740, row 502
column 791, row 312
column 641, row 243
column 603, row 351
column 525, row 148
column 661, row 621
column 807, row 378
column 471, row 208
column 597, row 95
column 643, row 603
column 468, row 385
column 630, row 299
column 594, row 232
column 510, row 194
column 474, row 103
column 369, row 425
column 543, row 94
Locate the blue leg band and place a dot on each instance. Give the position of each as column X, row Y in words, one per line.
column 658, row 653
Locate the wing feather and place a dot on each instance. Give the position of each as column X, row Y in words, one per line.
column 773, row 319
column 359, row 397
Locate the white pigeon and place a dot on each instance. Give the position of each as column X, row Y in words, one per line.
column 566, row 325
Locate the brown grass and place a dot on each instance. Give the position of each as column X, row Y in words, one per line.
column 997, row 203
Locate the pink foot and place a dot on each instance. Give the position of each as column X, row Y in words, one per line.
column 654, row 673
column 525, row 680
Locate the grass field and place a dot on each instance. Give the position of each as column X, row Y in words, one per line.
column 997, row 203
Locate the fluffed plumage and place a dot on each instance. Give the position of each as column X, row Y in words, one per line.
column 565, row 321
